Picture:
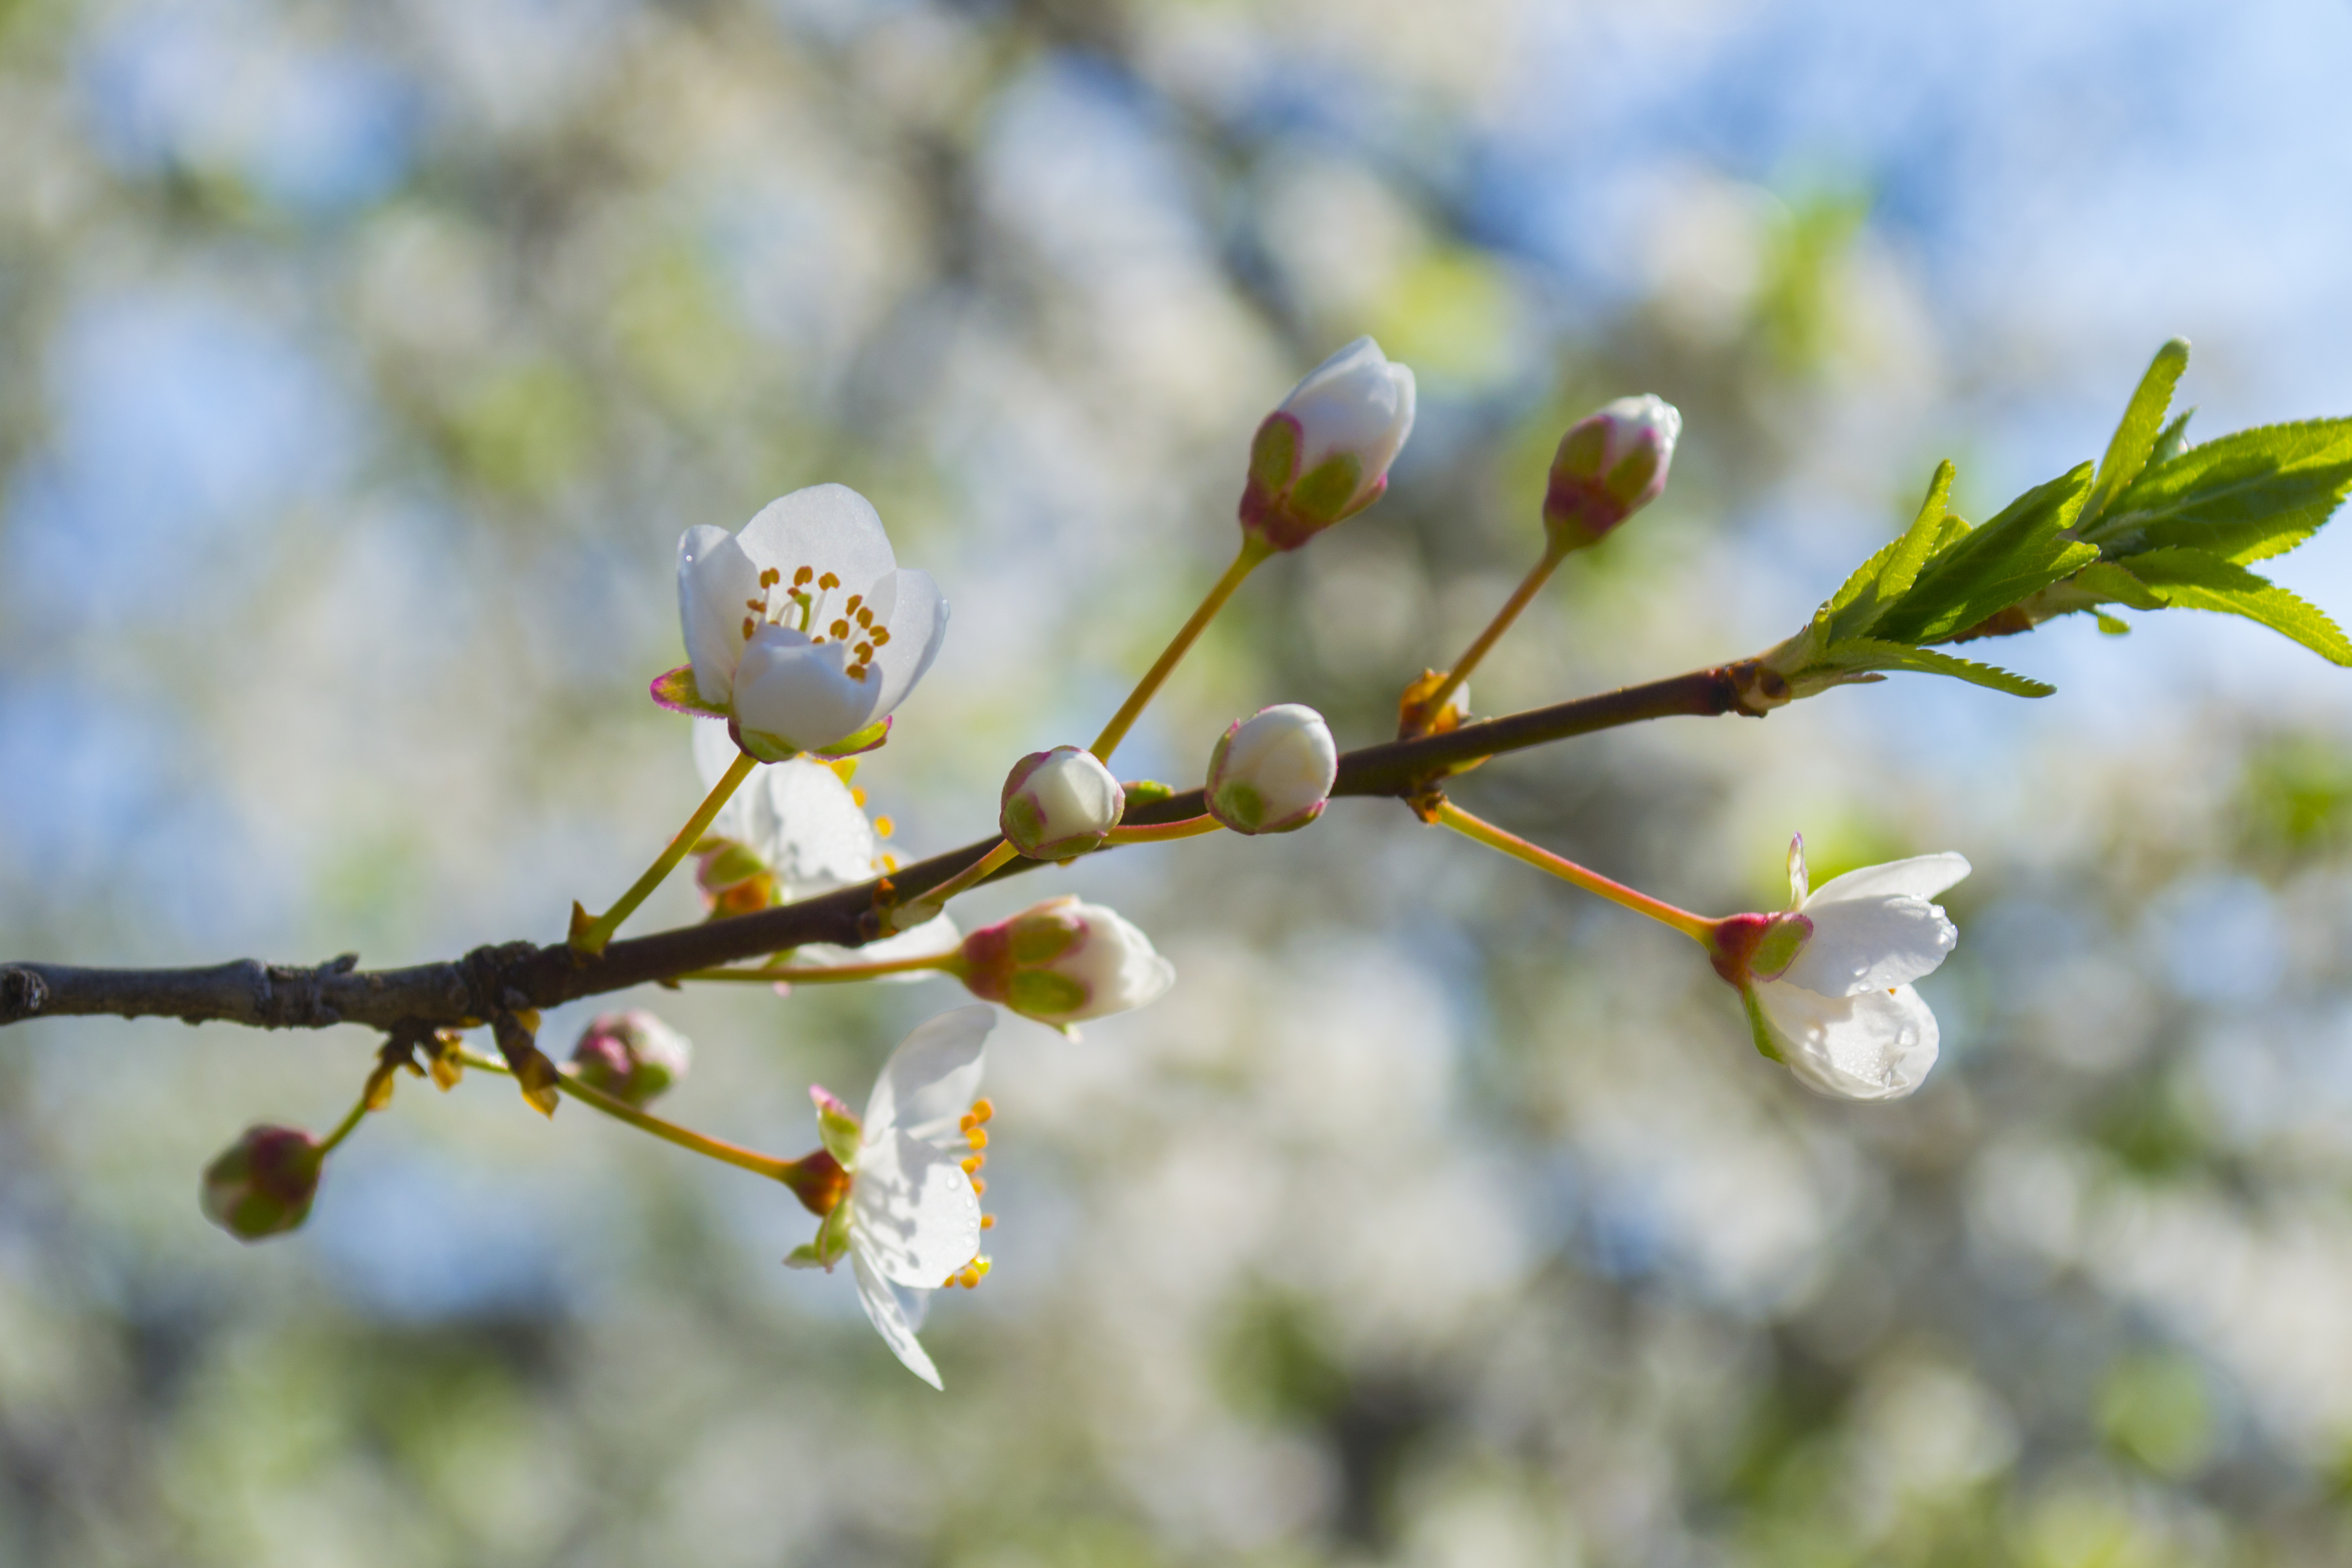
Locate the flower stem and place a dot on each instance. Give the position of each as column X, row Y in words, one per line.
column 823, row 974
column 669, row 1131
column 592, row 937
column 1254, row 549
column 1160, row 832
column 1698, row 928
column 343, row 1129
column 1434, row 703
column 971, row 876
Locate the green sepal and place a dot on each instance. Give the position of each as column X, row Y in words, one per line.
column 675, row 691
column 2241, row 497
column 1767, row 1046
column 1984, row 572
column 866, row 739
column 1273, row 451
column 1241, row 805
column 1042, row 993
column 831, row 1243
column 1869, row 654
column 2190, row 579
column 840, row 1134
column 1322, row 496
column 2141, row 428
column 1147, row 792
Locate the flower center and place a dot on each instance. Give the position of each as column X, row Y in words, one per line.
column 804, row 607
column 974, row 1126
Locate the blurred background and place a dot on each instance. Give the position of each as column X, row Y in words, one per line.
column 360, row 365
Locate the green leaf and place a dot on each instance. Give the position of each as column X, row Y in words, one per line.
column 2136, row 438
column 2191, row 579
column 2111, row 625
column 1982, row 573
column 2174, row 440
column 1918, row 542
column 2242, row 497
column 1869, row 653
column 1851, row 610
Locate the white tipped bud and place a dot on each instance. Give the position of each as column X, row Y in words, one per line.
column 1060, row 803
column 1325, row 454
column 1063, row 962
column 1271, row 773
column 1609, row 465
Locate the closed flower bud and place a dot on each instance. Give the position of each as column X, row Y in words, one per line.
column 1273, row 772
column 633, row 1057
column 1063, row 962
column 1325, row 454
column 262, row 1185
column 1060, row 803
column 1609, row 466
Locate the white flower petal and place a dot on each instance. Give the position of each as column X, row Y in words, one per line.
column 907, row 603
column 1870, row 944
column 931, row 1080
column 798, row 692
column 933, row 938
column 1921, row 877
column 912, row 1213
column 1800, row 878
column 1353, row 402
column 716, row 582
column 1116, row 962
column 892, row 1322
column 1876, row 1045
column 826, row 528
column 807, row 826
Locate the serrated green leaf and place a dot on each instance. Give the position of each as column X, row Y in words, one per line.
column 2111, row 625
column 1871, row 653
column 2241, row 497
column 2104, row 581
column 1918, row 540
column 2191, row 579
column 2136, row 435
column 1982, row 573
column 2174, row 440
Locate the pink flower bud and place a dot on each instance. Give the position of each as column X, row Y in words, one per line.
column 1063, row 962
column 633, row 1057
column 263, row 1183
column 1609, row 466
column 1325, row 454
column 1273, row 773
column 1060, row 803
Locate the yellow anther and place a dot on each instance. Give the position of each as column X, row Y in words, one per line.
column 749, row 622
column 973, row 1162
column 857, row 671
column 865, row 651
column 977, row 1137
column 883, row 826
column 865, row 617
column 981, row 1266
column 890, row 863
column 840, row 629
column 982, row 1110
column 843, row 768
column 881, row 636
column 978, row 1186
column 988, row 1222
column 771, row 577
column 969, row 1279
column 851, row 607
column 858, row 796
column 828, row 582
column 758, row 606
column 968, row 1122
column 802, row 576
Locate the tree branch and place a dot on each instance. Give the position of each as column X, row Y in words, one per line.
column 490, row 980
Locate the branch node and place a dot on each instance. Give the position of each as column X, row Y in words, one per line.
column 23, row 995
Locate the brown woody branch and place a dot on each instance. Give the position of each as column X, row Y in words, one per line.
column 493, row 981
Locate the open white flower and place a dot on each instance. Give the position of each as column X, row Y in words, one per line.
column 803, row 629
column 909, row 1219
column 1827, row 982
column 796, row 829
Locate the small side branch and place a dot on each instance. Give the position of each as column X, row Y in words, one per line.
column 517, row 976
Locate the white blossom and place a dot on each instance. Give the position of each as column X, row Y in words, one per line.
column 1273, row 771
column 802, row 628
column 796, row 829
column 1060, row 803
column 909, row 1221
column 1827, row 982
column 1324, row 454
